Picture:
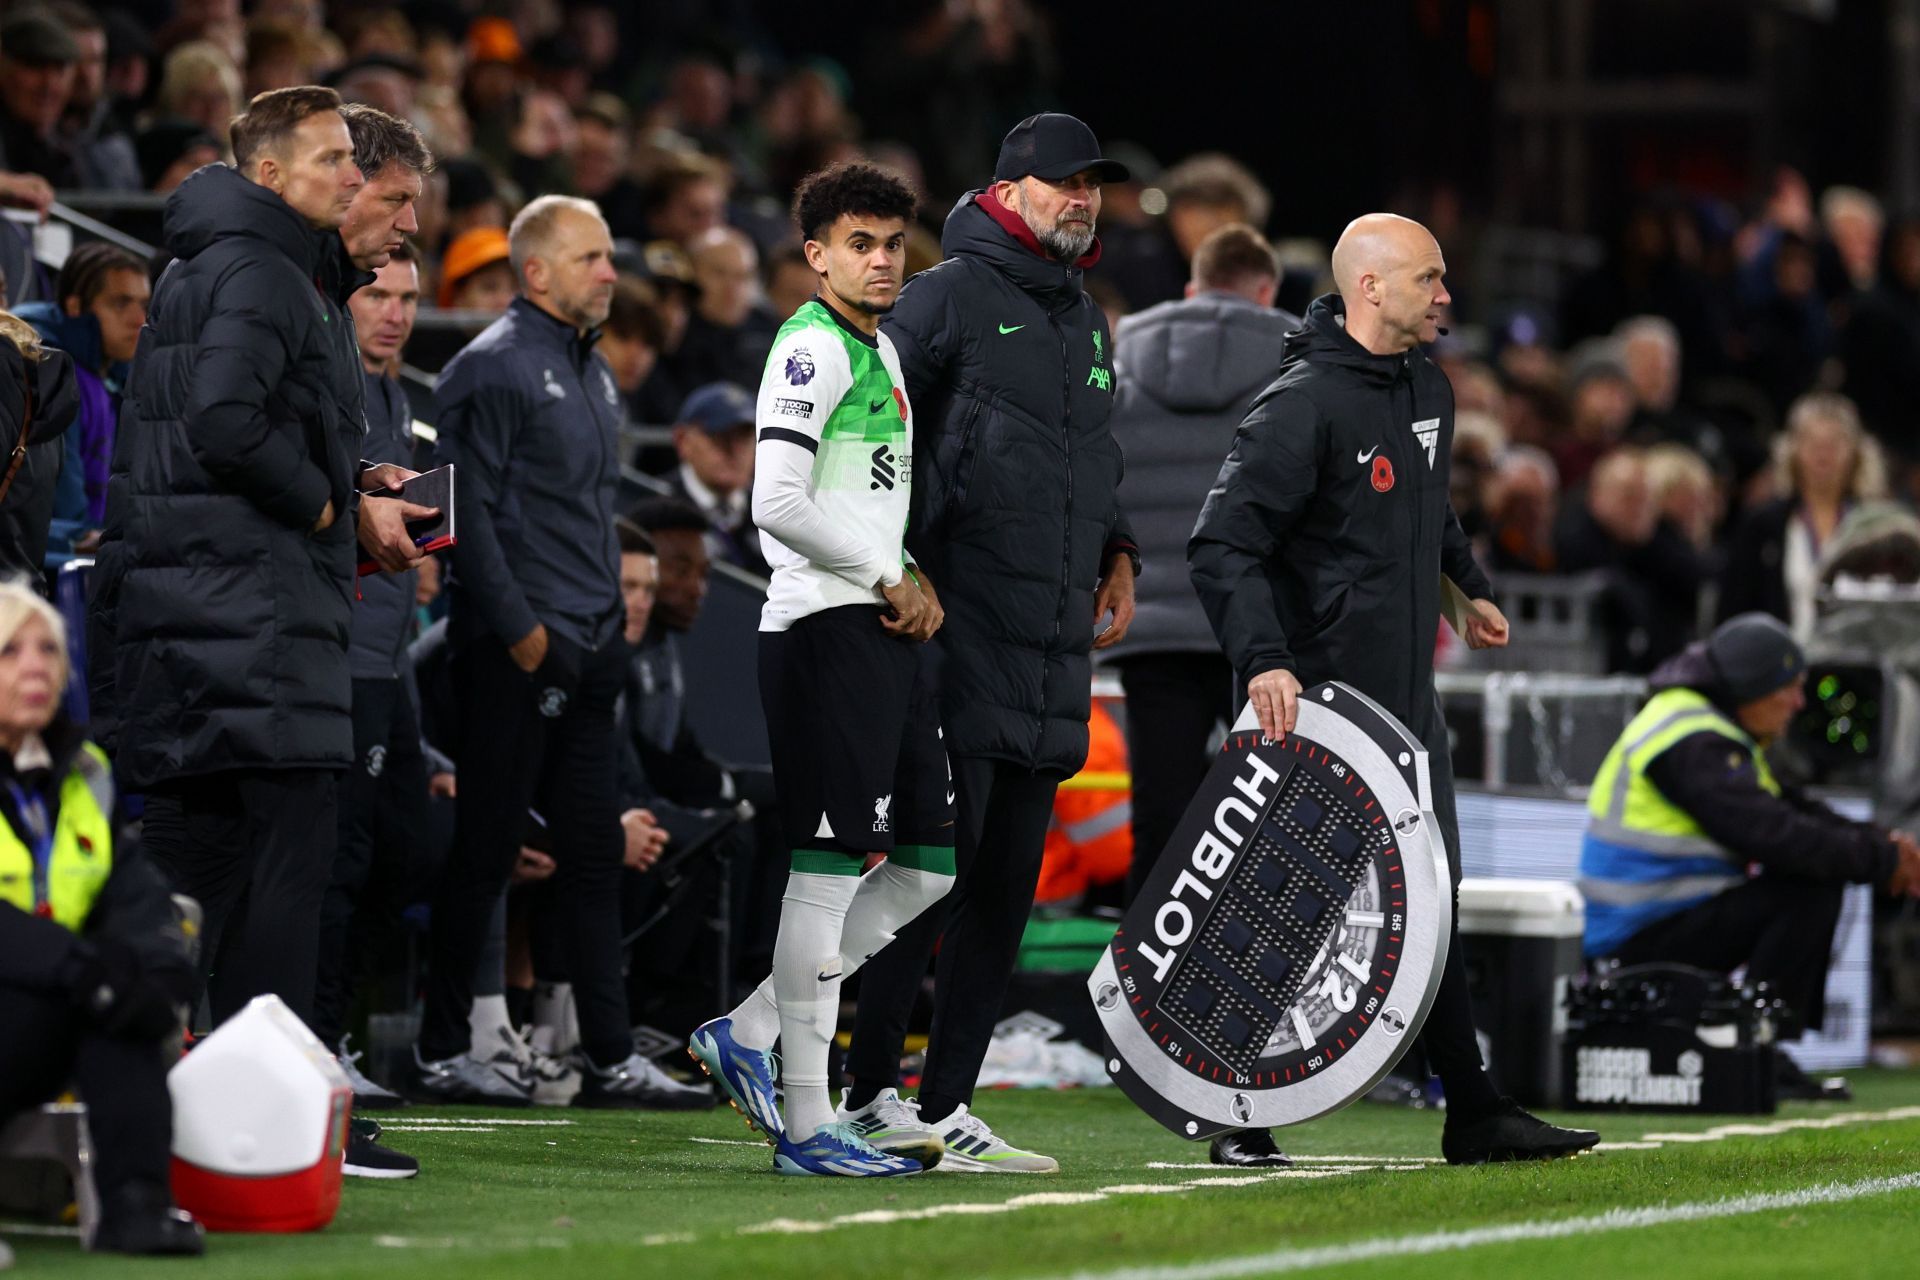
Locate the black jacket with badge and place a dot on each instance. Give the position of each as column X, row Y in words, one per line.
column 43, row 397
column 218, row 619
column 1321, row 546
column 529, row 415
column 1007, row 364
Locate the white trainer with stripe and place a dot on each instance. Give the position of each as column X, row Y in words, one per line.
column 974, row 1148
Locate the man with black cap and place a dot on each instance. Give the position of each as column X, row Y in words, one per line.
column 1008, row 364
column 713, row 435
column 1684, row 803
column 37, row 61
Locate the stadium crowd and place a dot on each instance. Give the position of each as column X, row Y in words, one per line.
column 1704, row 421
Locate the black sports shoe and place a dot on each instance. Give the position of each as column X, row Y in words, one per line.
column 140, row 1219
column 1249, row 1148
column 637, row 1084
column 1509, row 1133
column 1790, row 1083
column 366, row 1158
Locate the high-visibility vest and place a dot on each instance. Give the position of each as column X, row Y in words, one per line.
column 1090, row 839
column 82, row 852
column 1644, row 857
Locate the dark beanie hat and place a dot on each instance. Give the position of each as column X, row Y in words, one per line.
column 1754, row 655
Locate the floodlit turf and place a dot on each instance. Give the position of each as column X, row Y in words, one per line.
column 614, row 1196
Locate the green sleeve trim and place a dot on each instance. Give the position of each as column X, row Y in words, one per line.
column 935, row 858
column 827, row 862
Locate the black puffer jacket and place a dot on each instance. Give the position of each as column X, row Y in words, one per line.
column 1321, row 546
column 1007, row 363
column 219, row 620
column 28, row 506
column 1187, row 372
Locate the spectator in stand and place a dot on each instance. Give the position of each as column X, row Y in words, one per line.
column 276, row 56
column 1825, row 466
column 1788, row 333
column 1185, row 373
column 101, row 146
column 685, row 198
column 633, row 335
column 1649, row 349
column 94, row 968
column 1852, row 222
column 380, row 80
column 129, row 64
column 102, row 294
column 1880, row 347
column 1523, row 504
column 730, row 331
column 171, row 149
column 662, row 264
column 198, row 82
column 1685, row 494
column 1203, row 193
column 1654, row 574
column 714, row 438
column 1600, row 409
column 38, row 60
column 473, row 199
column 477, row 274
column 790, row 282
column 602, row 151
column 38, row 402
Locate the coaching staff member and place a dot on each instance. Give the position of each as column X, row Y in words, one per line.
column 224, row 586
column 1186, row 372
column 1008, row 364
column 1318, row 557
column 530, row 415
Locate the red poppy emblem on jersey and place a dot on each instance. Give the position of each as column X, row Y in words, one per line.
column 900, row 398
column 1382, row 474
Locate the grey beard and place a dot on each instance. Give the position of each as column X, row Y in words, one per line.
column 1068, row 244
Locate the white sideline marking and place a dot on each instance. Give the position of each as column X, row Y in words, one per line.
column 1549, row 1229
column 438, row 1128
column 38, row 1229
column 728, row 1142
column 466, row 1242
column 490, row 1120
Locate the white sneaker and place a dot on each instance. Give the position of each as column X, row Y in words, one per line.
column 549, row 1081
column 974, row 1148
column 892, row 1124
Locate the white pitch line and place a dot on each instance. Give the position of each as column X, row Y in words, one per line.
column 728, row 1142
column 1547, row 1229
column 489, row 1120
column 437, row 1128
column 467, row 1242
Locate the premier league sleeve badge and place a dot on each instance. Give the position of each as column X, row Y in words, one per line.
column 1286, row 948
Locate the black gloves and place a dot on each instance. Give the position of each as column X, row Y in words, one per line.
column 110, row 987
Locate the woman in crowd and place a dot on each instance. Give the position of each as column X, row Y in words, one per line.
column 94, row 967
column 1825, row 465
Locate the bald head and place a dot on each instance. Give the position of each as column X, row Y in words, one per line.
column 1388, row 270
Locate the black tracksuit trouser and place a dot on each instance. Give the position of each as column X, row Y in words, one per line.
column 255, row 848
column 1174, row 700
column 383, row 838
column 546, row 742
column 1000, row 829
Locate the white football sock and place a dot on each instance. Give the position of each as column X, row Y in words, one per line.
column 484, row 1020
column 806, row 981
column 890, row 897
column 556, row 1018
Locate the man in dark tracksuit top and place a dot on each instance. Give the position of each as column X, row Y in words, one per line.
column 383, row 801
column 530, row 416
column 1318, row 556
column 1008, row 366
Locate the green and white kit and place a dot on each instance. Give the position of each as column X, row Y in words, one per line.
column 833, row 467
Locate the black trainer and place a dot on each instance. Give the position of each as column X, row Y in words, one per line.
column 141, row 1220
column 366, row 1158
column 1790, row 1083
column 1249, row 1148
column 637, row 1084
column 1509, row 1133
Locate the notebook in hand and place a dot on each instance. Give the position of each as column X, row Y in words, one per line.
column 428, row 489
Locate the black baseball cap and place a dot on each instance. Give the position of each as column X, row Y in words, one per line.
column 1053, row 146
column 36, row 39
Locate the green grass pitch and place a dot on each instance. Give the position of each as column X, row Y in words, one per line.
column 609, row 1196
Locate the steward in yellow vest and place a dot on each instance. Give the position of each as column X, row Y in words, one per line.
column 1685, row 803
column 94, row 968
